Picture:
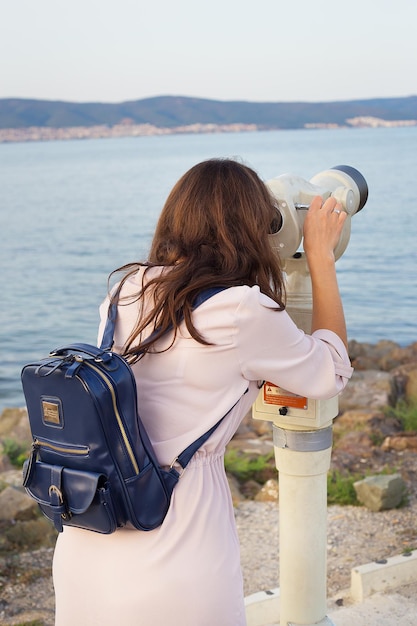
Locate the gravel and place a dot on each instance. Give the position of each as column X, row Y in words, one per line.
column 355, row 536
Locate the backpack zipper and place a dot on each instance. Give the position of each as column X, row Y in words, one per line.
column 63, row 449
column 117, row 414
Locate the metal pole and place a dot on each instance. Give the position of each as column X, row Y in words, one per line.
column 303, row 460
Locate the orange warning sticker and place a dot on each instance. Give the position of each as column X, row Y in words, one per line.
column 281, row 397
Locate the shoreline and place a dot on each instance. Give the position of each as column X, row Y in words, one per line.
column 104, row 131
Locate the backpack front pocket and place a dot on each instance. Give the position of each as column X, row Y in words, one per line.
column 70, row 497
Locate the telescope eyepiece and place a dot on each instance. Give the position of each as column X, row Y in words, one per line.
column 359, row 180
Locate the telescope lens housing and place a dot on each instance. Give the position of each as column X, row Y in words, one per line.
column 358, row 179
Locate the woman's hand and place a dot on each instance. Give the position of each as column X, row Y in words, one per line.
column 323, row 226
column 322, row 229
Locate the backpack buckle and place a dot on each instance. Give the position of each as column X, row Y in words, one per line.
column 176, row 460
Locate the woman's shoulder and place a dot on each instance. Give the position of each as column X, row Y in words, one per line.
column 235, row 304
column 252, row 296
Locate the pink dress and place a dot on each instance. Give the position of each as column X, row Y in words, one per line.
column 187, row 572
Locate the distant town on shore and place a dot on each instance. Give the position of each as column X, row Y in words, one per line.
column 43, row 120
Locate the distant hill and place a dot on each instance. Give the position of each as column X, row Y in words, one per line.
column 174, row 111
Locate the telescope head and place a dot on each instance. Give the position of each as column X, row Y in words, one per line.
column 293, row 196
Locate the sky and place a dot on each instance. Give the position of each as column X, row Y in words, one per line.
column 259, row 51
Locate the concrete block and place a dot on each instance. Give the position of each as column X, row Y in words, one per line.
column 262, row 608
column 387, row 574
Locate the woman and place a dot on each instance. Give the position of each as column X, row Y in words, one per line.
column 213, row 231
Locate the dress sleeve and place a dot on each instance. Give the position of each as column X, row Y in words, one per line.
column 272, row 348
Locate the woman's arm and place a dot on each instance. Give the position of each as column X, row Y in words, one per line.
column 322, row 229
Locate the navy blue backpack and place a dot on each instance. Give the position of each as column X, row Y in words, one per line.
column 92, row 465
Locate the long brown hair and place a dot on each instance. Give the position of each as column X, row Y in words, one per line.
column 213, row 231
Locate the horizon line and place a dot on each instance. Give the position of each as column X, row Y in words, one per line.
column 173, row 96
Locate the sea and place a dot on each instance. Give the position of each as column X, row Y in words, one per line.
column 72, row 211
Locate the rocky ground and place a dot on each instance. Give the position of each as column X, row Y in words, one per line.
column 366, row 441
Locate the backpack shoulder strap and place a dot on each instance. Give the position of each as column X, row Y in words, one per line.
column 108, row 334
column 185, row 457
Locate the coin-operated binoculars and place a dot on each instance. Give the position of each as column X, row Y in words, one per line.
column 302, row 427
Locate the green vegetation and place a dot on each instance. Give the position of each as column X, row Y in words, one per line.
column 406, row 413
column 246, row 467
column 340, row 489
column 16, row 452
